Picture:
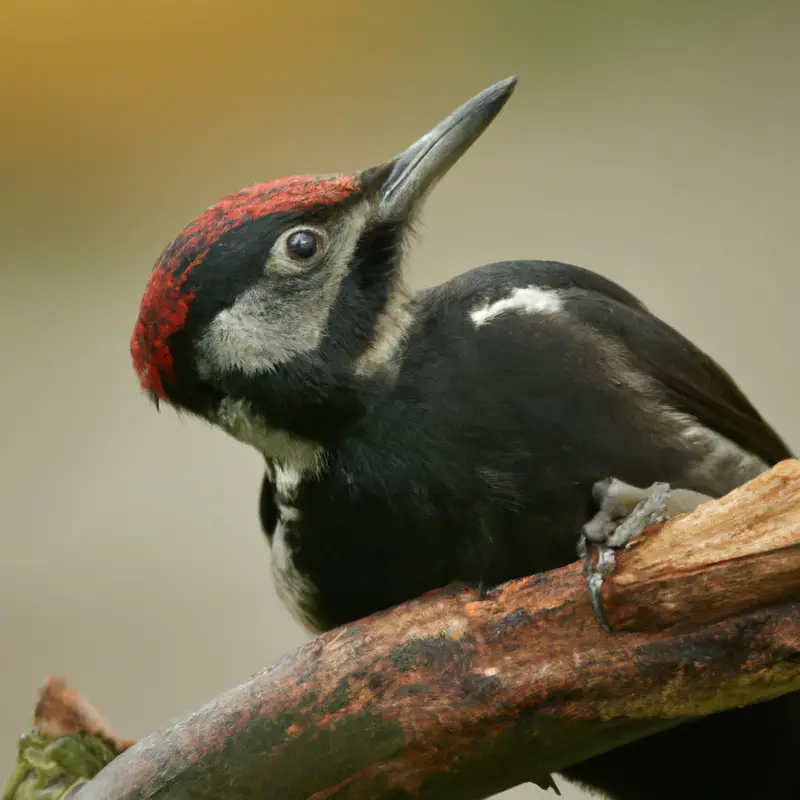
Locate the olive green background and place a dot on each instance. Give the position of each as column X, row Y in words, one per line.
column 654, row 142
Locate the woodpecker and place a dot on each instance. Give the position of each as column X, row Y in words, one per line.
column 481, row 430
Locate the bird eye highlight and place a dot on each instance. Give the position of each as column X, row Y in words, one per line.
column 302, row 244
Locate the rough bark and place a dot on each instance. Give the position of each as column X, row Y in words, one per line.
column 738, row 553
column 451, row 696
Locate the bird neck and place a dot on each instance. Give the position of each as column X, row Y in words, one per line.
column 240, row 419
column 305, row 407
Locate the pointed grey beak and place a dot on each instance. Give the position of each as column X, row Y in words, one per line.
column 414, row 172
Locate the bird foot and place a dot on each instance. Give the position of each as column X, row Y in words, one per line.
column 624, row 511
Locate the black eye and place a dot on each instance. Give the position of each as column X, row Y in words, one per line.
column 302, row 244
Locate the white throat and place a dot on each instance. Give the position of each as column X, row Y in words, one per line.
column 293, row 452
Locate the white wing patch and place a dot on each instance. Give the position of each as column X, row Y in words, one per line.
column 529, row 299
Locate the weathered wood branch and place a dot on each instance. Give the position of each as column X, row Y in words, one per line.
column 450, row 696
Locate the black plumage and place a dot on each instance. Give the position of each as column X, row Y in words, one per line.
column 455, row 434
column 476, row 463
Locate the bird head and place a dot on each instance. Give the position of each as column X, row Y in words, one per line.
column 276, row 306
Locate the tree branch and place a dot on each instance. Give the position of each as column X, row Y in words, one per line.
column 450, row 696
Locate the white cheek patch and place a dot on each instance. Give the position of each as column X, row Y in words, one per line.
column 268, row 326
column 250, row 338
column 528, row 299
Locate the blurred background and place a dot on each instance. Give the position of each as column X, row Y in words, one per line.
column 653, row 142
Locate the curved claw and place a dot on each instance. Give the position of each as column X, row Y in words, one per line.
column 595, row 583
column 624, row 512
column 595, row 575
